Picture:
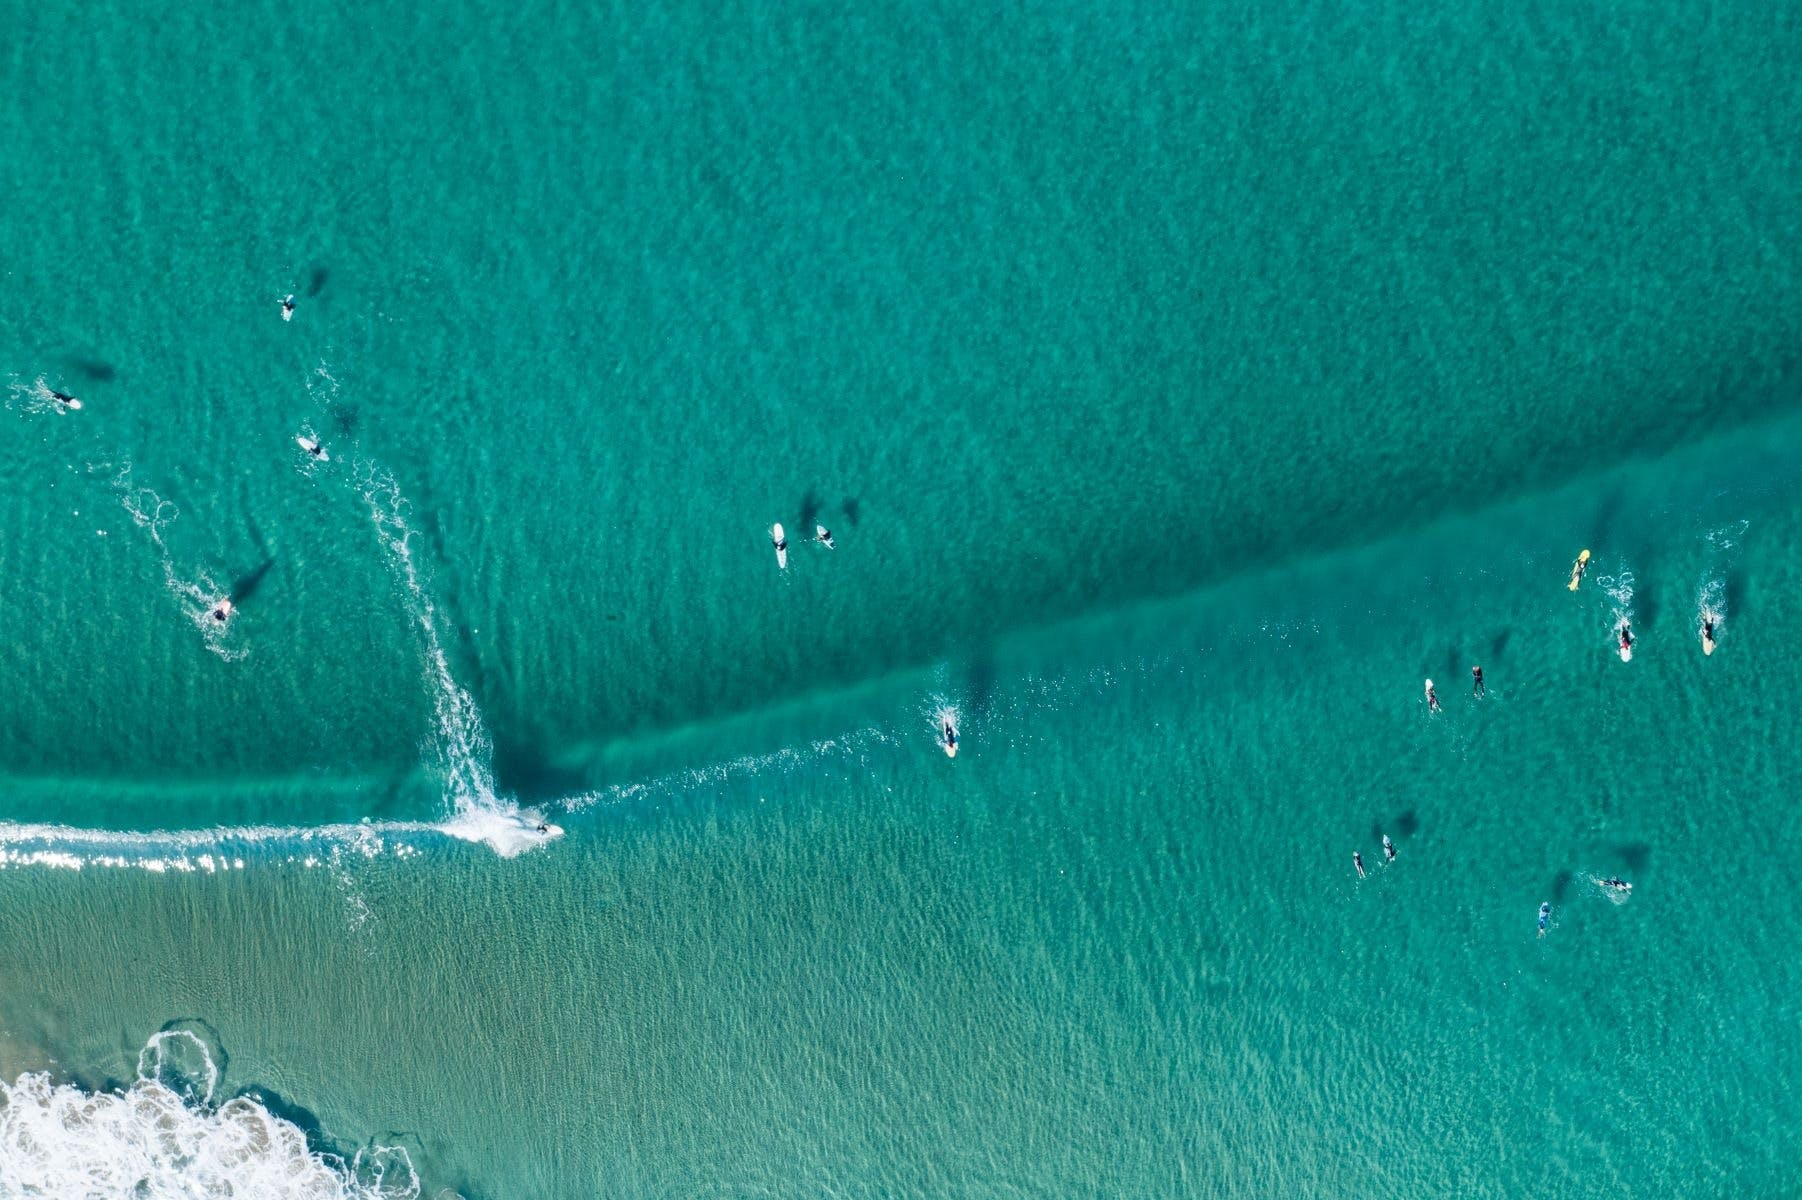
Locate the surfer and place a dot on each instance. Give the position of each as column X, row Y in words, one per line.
column 288, row 307
column 1545, row 916
column 222, row 611
column 1626, row 642
column 949, row 731
column 1707, row 633
column 1432, row 698
column 1358, row 862
column 312, row 447
column 541, row 827
column 64, row 400
column 1577, row 568
column 1615, row 884
column 1388, row 849
column 780, row 541
column 823, row 536
column 1476, row 681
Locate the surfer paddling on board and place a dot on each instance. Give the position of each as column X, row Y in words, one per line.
column 1545, row 916
column 823, row 536
column 1707, row 633
column 780, row 541
column 1626, row 643
column 222, row 611
column 1615, row 883
column 1358, row 862
column 1432, row 698
column 1476, row 681
column 1577, row 569
column 65, row 402
column 948, row 734
column 313, row 448
column 1388, row 849
column 288, row 307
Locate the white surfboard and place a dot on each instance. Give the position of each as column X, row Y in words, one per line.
column 823, row 536
column 948, row 738
column 1707, row 638
column 287, row 308
column 63, row 400
column 1627, row 652
column 781, row 544
column 312, row 448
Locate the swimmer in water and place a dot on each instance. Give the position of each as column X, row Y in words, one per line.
column 823, row 536
column 1476, row 681
column 1432, row 698
column 1545, row 917
column 222, row 611
column 288, row 307
column 1388, row 849
column 1615, row 884
column 1358, row 862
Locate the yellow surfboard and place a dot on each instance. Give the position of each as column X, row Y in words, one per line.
column 1576, row 571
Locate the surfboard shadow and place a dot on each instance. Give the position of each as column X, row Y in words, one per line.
column 93, row 369
column 852, row 508
column 316, row 283
column 810, row 513
column 246, row 585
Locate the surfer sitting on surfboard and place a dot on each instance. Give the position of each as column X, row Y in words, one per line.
column 1388, row 849
column 823, row 536
column 1476, row 681
column 288, row 307
column 222, row 611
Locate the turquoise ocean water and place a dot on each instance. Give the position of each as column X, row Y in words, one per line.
column 1183, row 386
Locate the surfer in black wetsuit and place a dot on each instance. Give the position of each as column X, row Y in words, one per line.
column 288, row 307
column 64, row 399
column 1476, row 681
column 823, row 536
column 222, row 611
column 1432, row 698
column 1388, row 849
column 1626, row 639
column 1358, row 862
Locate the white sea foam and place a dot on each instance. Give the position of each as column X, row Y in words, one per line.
column 213, row 851
column 165, row 1135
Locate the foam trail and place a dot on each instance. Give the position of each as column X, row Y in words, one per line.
column 1619, row 588
column 461, row 745
column 163, row 1135
column 210, row 851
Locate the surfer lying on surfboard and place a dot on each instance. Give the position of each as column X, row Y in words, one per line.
column 780, row 541
column 1707, row 633
column 1388, row 849
column 1432, row 698
column 1358, row 862
column 1626, row 642
column 64, row 400
column 313, row 448
column 288, row 307
column 1577, row 569
column 1545, row 916
column 948, row 730
column 1615, row 884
